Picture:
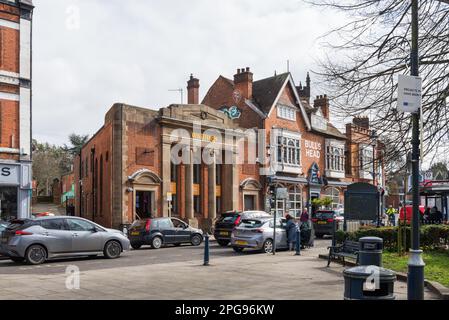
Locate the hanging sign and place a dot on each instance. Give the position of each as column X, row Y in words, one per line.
column 409, row 93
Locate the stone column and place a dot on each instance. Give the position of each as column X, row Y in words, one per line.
column 212, row 191
column 235, row 181
column 166, row 177
column 189, row 189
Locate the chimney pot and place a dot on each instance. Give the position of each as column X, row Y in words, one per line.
column 193, row 86
column 247, row 69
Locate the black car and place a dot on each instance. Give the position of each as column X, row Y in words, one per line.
column 157, row 232
column 323, row 222
column 229, row 220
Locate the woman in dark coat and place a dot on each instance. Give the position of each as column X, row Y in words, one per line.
column 292, row 227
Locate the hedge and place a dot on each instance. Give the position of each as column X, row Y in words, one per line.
column 431, row 236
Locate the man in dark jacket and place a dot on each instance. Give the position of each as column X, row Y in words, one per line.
column 292, row 227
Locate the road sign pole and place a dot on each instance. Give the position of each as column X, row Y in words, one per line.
column 415, row 282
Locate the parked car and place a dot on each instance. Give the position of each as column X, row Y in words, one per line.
column 41, row 239
column 157, row 232
column 229, row 220
column 323, row 222
column 257, row 233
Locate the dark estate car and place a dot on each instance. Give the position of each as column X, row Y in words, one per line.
column 159, row 231
column 229, row 220
column 323, row 222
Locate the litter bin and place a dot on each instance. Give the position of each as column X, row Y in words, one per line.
column 370, row 251
column 369, row 283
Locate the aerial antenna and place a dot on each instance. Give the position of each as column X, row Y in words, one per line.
column 181, row 91
column 288, row 65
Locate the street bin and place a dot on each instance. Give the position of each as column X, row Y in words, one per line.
column 369, row 283
column 370, row 251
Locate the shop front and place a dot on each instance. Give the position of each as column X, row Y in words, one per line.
column 15, row 190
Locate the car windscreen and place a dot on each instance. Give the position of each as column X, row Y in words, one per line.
column 252, row 223
column 228, row 218
column 324, row 215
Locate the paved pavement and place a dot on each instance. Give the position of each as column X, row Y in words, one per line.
column 177, row 273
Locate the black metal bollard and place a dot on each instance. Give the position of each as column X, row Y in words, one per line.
column 298, row 242
column 206, row 250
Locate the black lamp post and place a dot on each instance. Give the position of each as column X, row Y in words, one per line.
column 374, row 137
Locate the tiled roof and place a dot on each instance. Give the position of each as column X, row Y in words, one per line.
column 266, row 91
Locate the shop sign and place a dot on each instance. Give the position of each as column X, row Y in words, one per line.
column 313, row 149
column 204, row 137
column 9, row 174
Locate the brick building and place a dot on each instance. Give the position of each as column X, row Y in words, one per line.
column 241, row 133
column 15, row 108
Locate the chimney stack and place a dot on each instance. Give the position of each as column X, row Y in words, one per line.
column 322, row 102
column 243, row 82
column 193, row 90
column 362, row 122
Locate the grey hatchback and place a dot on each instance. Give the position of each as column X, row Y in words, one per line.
column 35, row 241
column 258, row 233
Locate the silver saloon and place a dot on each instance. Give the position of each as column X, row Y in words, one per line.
column 41, row 239
column 258, row 234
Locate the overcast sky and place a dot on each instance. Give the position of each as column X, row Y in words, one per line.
column 89, row 54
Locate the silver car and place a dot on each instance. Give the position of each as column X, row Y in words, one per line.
column 35, row 241
column 257, row 234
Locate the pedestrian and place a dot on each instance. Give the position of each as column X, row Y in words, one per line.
column 391, row 212
column 292, row 227
column 433, row 214
column 426, row 216
column 304, row 216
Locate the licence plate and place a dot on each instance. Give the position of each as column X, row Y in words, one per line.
column 322, row 222
column 241, row 243
column 223, row 233
column 135, row 233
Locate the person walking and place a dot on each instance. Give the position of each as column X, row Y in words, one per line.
column 391, row 213
column 292, row 227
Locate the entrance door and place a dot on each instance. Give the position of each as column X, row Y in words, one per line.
column 250, row 202
column 313, row 196
column 144, row 204
column 8, row 203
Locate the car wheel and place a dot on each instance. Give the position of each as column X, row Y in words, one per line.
column 136, row 246
column 156, row 243
column 112, row 250
column 223, row 243
column 237, row 249
column 17, row 260
column 268, row 246
column 35, row 254
column 196, row 240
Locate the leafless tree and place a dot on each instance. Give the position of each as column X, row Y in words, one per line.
column 367, row 53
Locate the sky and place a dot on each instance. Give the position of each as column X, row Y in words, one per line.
column 90, row 54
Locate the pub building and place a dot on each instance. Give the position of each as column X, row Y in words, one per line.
column 15, row 109
column 125, row 171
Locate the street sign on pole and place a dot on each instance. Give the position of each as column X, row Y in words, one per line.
column 409, row 93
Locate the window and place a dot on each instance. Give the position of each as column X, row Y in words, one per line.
column 197, row 204
column 286, row 112
column 289, row 151
column 54, row 224
column 335, row 157
column 178, row 224
column 295, row 197
column 165, row 224
column 79, row 225
column 197, row 173
column 366, row 159
column 334, row 194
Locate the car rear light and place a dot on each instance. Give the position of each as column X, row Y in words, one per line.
column 148, row 225
column 314, row 220
column 330, row 220
column 237, row 221
column 257, row 230
column 23, row 233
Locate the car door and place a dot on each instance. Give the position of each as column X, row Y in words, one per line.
column 56, row 236
column 84, row 238
column 282, row 233
column 183, row 231
column 167, row 230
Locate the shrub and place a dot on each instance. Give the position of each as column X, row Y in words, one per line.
column 431, row 236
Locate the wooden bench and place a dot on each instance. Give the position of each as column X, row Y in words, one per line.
column 349, row 249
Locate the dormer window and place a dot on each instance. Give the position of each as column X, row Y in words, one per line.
column 286, row 112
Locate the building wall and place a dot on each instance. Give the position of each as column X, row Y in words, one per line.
column 15, row 106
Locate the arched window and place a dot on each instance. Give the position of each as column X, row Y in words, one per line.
column 334, row 194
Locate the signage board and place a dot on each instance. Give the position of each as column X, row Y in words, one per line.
column 281, row 193
column 409, row 93
column 9, row 174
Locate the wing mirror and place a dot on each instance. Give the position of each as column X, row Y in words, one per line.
column 94, row 229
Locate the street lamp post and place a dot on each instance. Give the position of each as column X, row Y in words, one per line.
column 415, row 282
column 374, row 144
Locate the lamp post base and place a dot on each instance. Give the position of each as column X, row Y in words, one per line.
column 415, row 279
